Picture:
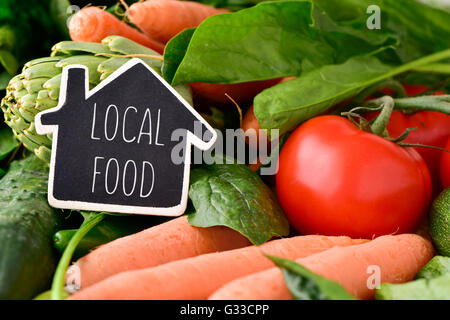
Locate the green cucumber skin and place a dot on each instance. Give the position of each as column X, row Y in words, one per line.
column 27, row 224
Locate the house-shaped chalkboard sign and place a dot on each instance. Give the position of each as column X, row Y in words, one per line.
column 113, row 145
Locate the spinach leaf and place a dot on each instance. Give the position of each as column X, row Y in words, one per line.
column 234, row 196
column 174, row 53
column 5, row 77
column 8, row 143
column 269, row 40
column 421, row 29
column 307, row 285
column 8, row 62
column 287, row 104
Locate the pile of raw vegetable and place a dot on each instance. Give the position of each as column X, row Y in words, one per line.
column 359, row 207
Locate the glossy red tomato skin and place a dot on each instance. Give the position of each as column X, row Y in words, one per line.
column 445, row 166
column 335, row 179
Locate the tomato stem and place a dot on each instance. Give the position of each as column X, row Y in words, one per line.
column 424, row 103
column 420, row 103
column 403, row 136
column 378, row 127
column 404, row 144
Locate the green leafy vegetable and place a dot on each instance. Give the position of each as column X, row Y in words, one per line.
column 421, row 29
column 59, row 11
column 232, row 195
column 28, row 29
column 8, row 143
column 422, row 289
column 175, row 51
column 307, row 285
column 270, row 40
column 436, row 267
column 9, row 62
column 287, row 104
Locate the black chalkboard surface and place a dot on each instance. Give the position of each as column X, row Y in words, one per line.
column 112, row 145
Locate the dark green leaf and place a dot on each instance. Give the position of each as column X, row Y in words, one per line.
column 421, row 29
column 287, row 104
column 7, row 38
column 4, row 79
column 174, row 53
column 270, row 40
column 307, row 285
column 59, row 11
column 9, row 62
column 232, row 195
column 8, row 143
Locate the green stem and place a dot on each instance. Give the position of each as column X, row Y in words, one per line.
column 438, row 56
column 57, row 291
column 378, row 127
column 442, row 68
column 396, row 86
column 414, row 104
column 424, row 103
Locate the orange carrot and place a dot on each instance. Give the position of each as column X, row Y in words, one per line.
column 163, row 19
column 93, row 24
column 251, row 126
column 398, row 258
column 198, row 277
column 169, row 241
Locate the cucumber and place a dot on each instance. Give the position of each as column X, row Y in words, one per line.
column 440, row 223
column 27, row 224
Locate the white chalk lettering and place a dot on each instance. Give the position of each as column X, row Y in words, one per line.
column 93, row 123
column 117, row 175
column 143, row 177
column 123, row 125
column 149, row 132
column 124, row 179
column 106, row 122
column 95, row 172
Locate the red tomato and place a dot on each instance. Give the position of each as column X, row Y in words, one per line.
column 433, row 130
column 445, row 166
column 335, row 179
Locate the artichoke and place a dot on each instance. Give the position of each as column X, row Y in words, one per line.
column 37, row 87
